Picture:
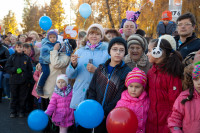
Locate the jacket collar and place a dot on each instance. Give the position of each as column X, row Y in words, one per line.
column 187, row 39
column 126, row 95
column 121, row 64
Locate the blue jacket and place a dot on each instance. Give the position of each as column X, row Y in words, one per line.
column 81, row 74
column 166, row 29
column 47, row 46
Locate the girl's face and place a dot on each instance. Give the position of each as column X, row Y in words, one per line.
column 61, row 83
column 151, row 58
column 135, row 89
column 196, row 83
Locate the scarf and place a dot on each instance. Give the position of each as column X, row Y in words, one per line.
column 63, row 91
column 92, row 47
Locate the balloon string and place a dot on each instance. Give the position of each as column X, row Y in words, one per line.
column 84, row 23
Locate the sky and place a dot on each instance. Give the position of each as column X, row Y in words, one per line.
column 17, row 7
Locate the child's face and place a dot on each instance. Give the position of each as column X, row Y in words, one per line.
column 27, row 51
column 61, row 83
column 117, row 52
column 135, row 89
column 18, row 48
column 196, row 83
column 150, row 57
column 39, row 68
column 52, row 38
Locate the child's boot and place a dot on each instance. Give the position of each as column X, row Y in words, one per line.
column 39, row 90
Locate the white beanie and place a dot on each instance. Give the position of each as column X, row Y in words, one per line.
column 99, row 27
column 62, row 76
column 171, row 40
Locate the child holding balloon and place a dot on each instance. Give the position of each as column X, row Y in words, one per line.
column 186, row 110
column 44, row 59
column 135, row 98
column 58, row 108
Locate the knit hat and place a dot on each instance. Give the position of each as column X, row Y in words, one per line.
column 52, row 32
column 117, row 40
column 99, row 27
column 171, row 40
column 136, row 75
column 137, row 39
column 196, row 71
column 167, row 15
column 62, row 76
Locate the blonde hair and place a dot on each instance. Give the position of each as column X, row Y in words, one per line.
column 187, row 81
column 94, row 30
column 38, row 65
column 34, row 33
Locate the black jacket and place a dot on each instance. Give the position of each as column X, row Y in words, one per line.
column 19, row 61
column 190, row 45
column 4, row 55
column 114, row 83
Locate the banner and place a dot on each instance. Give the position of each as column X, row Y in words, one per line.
column 70, row 32
column 175, row 6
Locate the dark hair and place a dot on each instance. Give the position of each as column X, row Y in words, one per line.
column 172, row 63
column 114, row 31
column 28, row 39
column 18, row 43
column 140, row 32
column 187, row 15
column 9, row 33
column 189, row 98
column 26, row 45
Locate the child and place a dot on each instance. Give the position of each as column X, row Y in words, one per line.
column 108, row 81
column 135, row 98
column 164, row 82
column 185, row 117
column 44, row 59
column 59, row 104
column 20, row 69
column 36, row 76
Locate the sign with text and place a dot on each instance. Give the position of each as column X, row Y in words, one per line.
column 70, row 32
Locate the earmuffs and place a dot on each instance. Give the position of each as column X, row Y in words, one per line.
column 157, row 51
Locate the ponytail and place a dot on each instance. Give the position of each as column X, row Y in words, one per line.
column 190, row 97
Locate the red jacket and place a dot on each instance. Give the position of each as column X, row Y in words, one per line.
column 163, row 90
column 185, row 116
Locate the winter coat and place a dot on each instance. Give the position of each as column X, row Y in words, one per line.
column 190, row 45
column 81, row 74
column 16, row 61
column 59, row 104
column 142, row 64
column 4, row 55
column 163, row 89
column 36, row 76
column 186, row 116
column 139, row 106
column 59, row 63
column 107, row 88
column 163, row 29
column 47, row 46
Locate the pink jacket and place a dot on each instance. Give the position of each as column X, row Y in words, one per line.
column 63, row 115
column 185, row 116
column 36, row 76
column 139, row 106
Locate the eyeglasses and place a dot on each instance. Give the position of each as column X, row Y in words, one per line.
column 186, row 24
column 116, row 50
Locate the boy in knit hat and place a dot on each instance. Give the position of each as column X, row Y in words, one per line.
column 135, row 98
column 166, row 26
column 44, row 59
column 108, row 81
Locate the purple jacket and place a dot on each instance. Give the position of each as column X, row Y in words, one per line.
column 139, row 106
column 63, row 115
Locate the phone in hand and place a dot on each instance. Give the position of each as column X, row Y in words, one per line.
column 91, row 61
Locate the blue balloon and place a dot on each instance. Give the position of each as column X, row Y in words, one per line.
column 85, row 10
column 37, row 120
column 45, row 23
column 89, row 114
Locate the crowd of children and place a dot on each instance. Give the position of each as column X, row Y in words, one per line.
column 100, row 73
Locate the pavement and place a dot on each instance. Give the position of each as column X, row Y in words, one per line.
column 12, row 125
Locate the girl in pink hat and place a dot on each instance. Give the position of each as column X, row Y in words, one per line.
column 135, row 98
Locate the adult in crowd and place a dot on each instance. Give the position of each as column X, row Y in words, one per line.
column 187, row 41
column 35, row 37
column 22, row 38
column 81, row 35
column 9, row 34
column 129, row 28
column 13, row 40
column 140, row 32
column 136, row 57
column 84, row 63
column 112, row 33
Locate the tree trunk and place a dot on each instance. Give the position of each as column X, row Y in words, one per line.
column 119, row 12
column 109, row 14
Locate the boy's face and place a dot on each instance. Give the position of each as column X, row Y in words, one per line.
column 117, row 52
column 27, row 51
column 61, row 83
column 52, row 38
column 135, row 89
column 18, row 48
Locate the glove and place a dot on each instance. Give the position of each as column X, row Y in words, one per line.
column 19, row 70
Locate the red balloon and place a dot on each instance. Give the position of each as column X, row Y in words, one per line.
column 121, row 120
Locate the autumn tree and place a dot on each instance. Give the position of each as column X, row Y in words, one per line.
column 10, row 23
